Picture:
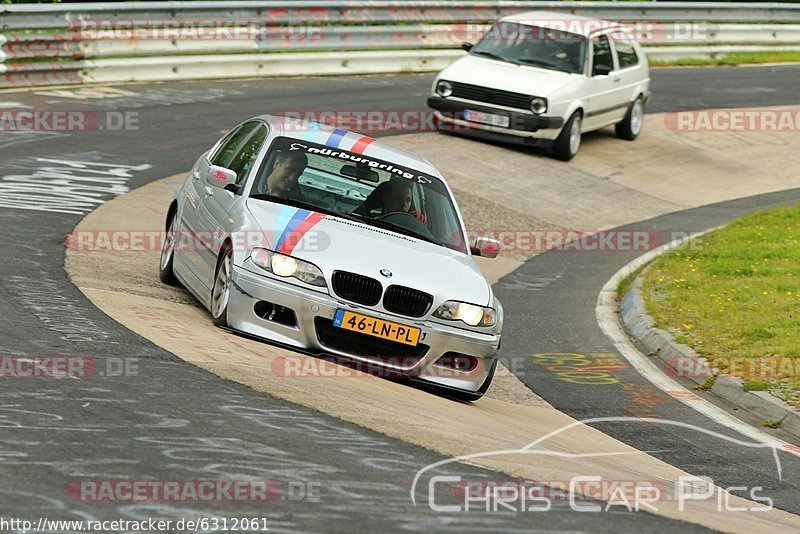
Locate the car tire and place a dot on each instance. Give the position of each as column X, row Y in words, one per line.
column 569, row 140
column 221, row 292
column 631, row 126
column 468, row 396
column 165, row 265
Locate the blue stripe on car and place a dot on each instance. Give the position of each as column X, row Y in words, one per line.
column 335, row 138
column 296, row 219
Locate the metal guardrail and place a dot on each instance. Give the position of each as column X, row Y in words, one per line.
column 255, row 38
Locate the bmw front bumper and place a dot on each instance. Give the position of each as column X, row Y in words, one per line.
column 313, row 308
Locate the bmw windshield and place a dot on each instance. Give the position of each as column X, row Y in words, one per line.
column 357, row 187
column 534, row 46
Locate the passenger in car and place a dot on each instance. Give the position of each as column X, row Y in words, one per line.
column 286, row 171
column 397, row 197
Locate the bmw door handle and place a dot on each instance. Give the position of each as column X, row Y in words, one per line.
column 208, row 191
column 195, row 176
column 617, row 79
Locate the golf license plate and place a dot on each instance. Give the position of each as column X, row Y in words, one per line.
column 372, row 326
column 486, row 118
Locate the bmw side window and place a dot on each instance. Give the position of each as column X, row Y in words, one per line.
column 626, row 53
column 245, row 158
column 232, row 144
column 601, row 53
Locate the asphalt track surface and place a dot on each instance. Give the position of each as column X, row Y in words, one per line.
column 171, row 421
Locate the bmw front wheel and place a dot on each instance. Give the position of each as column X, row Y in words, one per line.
column 221, row 293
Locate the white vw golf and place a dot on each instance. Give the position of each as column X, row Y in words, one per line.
column 543, row 79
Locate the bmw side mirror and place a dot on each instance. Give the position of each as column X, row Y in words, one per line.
column 466, row 46
column 221, row 177
column 486, row 247
column 601, row 70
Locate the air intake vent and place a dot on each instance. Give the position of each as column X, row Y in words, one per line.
column 358, row 344
column 491, row 96
column 357, row 288
column 407, row 301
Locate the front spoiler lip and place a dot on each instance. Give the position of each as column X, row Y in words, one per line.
column 250, row 287
column 528, row 122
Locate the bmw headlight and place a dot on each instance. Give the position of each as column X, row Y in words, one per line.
column 444, row 88
column 538, row 105
column 470, row 314
column 287, row 266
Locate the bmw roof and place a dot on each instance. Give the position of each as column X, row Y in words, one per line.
column 346, row 140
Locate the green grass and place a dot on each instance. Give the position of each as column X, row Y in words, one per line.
column 625, row 284
column 735, row 296
column 739, row 58
column 772, row 423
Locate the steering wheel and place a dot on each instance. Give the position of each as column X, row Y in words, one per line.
column 385, row 215
column 408, row 221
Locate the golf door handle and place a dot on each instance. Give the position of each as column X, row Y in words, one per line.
column 209, row 192
column 195, row 176
column 617, row 79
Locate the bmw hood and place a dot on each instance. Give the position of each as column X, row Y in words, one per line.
column 496, row 74
column 337, row 244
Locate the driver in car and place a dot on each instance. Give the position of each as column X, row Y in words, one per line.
column 286, row 171
column 397, row 197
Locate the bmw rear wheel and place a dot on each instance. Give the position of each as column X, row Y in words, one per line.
column 165, row 270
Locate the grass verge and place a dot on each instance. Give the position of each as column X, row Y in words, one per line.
column 734, row 296
column 739, row 58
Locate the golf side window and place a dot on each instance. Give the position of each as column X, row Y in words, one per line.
column 626, row 53
column 602, row 57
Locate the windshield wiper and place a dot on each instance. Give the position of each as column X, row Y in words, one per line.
column 541, row 62
column 491, row 55
column 395, row 228
column 349, row 216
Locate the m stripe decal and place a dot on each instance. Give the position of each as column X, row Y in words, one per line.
column 361, row 144
column 291, row 241
column 298, row 217
column 335, row 138
column 283, row 220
